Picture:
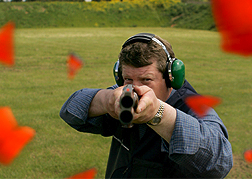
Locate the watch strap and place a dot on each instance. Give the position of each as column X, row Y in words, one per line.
column 158, row 115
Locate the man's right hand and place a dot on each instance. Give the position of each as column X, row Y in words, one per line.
column 113, row 105
column 106, row 101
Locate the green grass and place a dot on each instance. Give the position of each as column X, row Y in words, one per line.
column 153, row 13
column 37, row 86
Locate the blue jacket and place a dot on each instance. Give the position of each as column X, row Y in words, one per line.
column 198, row 147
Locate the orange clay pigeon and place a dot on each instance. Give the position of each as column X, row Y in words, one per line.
column 74, row 64
column 7, row 44
column 89, row 174
column 12, row 137
column 233, row 20
column 201, row 104
column 248, row 155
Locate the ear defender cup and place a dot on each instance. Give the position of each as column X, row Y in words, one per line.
column 174, row 74
column 177, row 74
column 166, row 76
column 118, row 74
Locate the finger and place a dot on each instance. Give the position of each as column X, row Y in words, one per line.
column 140, row 108
column 116, row 102
column 118, row 91
column 145, row 101
column 141, row 90
column 117, row 108
column 143, row 104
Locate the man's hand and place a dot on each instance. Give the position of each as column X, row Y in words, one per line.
column 108, row 101
column 148, row 105
column 147, row 108
column 112, row 99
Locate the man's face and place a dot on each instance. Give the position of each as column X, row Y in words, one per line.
column 147, row 75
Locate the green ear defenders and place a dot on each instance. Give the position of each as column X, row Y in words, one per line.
column 175, row 69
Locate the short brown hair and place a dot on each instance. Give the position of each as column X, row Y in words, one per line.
column 140, row 54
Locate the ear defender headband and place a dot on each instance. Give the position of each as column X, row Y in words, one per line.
column 174, row 74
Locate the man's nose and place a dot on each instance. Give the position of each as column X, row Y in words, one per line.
column 137, row 83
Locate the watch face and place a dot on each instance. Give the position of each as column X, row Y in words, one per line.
column 156, row 120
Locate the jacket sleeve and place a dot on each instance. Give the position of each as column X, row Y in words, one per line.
column 75, row 112
column 201, row 145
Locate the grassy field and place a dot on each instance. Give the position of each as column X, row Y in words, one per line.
column 37, row 86
column 137, row 13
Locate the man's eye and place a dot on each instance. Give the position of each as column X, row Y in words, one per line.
column 126, row 79
column 147, row 79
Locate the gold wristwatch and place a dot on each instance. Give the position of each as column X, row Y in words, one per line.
column 157, row 118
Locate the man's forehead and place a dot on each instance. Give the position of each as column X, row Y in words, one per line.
column 149, row 70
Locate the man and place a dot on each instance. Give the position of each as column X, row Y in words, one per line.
column 167, row 139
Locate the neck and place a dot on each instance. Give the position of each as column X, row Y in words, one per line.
column 169, row 93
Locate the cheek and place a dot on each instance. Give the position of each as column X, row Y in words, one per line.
column 161, row 90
